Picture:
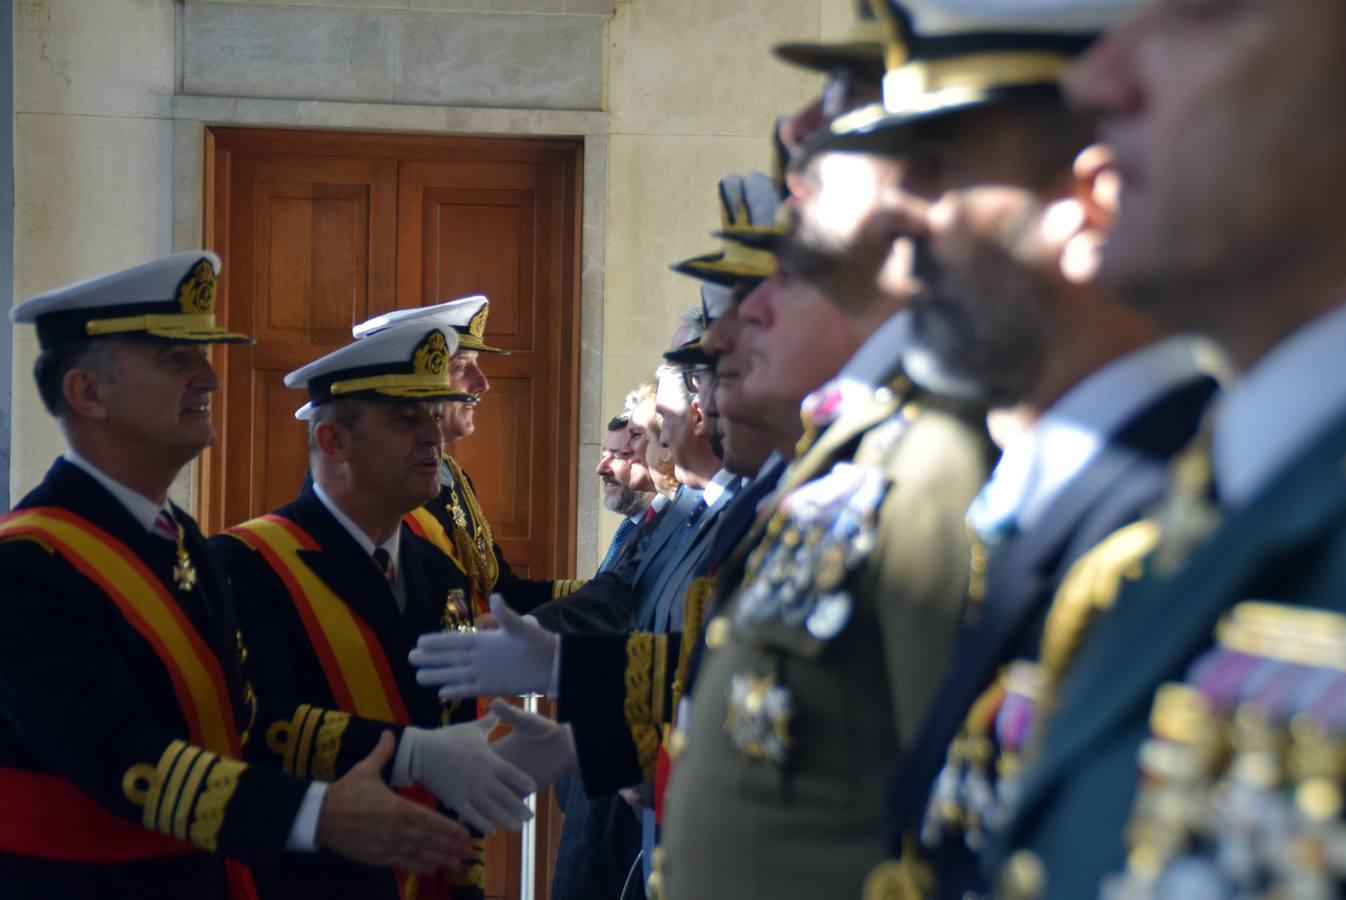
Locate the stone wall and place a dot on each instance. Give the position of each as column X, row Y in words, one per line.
column 111, row 98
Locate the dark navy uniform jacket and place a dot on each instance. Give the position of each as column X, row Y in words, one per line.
column 284, row 666
column 85, row 698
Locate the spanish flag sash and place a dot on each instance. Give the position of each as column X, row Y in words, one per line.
column 352, row 659
column 356, row 667
column 142, row 598
column 49, row 817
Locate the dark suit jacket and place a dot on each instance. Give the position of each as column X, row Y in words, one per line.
column 84, row 697
column 283, row 663
column 1287, row 545
column 595, row 696
column 610, row 603
column 1116, row 488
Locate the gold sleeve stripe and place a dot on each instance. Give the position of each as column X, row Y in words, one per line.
column 220, row 786
column 161, row 772
column 328, row 745
column 189, row 791
column 659, row 679
column 172, row 793
column 305, row 743
column 564, row 587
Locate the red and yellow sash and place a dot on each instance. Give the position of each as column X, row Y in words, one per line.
column 142, row 598
column 352, row 659
column 49, row 817
column 356, row 667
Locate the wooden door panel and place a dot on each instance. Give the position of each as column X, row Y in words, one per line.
column 281, row 446
column 312, row 252
column 504, row 429
column 483, row 244
column 321, row 230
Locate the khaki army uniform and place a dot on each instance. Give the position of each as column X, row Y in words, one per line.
column 825, row 645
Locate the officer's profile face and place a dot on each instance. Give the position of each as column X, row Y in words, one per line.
column 675, row 413
column 796, row 337
column 391, row 452
column 155, row 405
column 723, row 340
column 1227, row 121
column 465, row 375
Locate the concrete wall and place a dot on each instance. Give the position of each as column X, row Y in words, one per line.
column 112, row 97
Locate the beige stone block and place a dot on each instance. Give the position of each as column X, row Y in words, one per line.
column 354, row 4
column 662, row 205
column 705, row 66
column 622, row 373
column 91, row 195
column 533, row 61
column 110, row 58
column 586, row 7
column 837, row 19
column 35, row 439
column 394, row 56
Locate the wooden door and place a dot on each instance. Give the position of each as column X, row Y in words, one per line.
column 321, row 230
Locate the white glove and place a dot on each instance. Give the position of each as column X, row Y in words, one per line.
column 457, row 765
column 537, row 745
column 517, row 658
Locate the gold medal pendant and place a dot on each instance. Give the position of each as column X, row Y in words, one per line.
column 184, row 572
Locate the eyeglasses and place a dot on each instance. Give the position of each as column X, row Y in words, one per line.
column 697, row 377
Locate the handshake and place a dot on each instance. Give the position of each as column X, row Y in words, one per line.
column 486, row 782
column 483, row 781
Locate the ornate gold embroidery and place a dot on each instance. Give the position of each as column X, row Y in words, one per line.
column 196, row 292
column 328, row 744
column 693, row 612
column 167, row 762
column 220, row 786
column 564, row 587
column 477, row 554
column 473, row 872
column 1088, row 590
column 432, row 355
column 639, row 658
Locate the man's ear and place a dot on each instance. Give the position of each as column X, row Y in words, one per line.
column 332, row 440
column 1096, row 186
column 82, row 392
column 696, row 417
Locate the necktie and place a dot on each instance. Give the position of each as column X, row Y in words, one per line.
column 619, row 540
column 385, row 564
column 166, row 527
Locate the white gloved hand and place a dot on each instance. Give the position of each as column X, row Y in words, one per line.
column 539, row 746
column 457, row 765
column 517, row 658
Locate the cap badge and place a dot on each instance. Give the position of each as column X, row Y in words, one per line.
column 432, row 355
column 196, row 291
column 477, row 327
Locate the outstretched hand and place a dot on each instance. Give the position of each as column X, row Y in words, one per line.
column 364, row 820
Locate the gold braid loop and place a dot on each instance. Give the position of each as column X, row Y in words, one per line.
column 477, row 554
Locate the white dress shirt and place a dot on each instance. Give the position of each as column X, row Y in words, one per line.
column 1042, row 461
column 1280, row 406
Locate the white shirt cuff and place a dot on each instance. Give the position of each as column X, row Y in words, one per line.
column 304, row 832
column 401, row 776
column 554, row 686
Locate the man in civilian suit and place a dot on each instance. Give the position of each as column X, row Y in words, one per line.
column 600, row 837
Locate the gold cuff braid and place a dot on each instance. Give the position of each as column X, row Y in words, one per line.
column 638, row 703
